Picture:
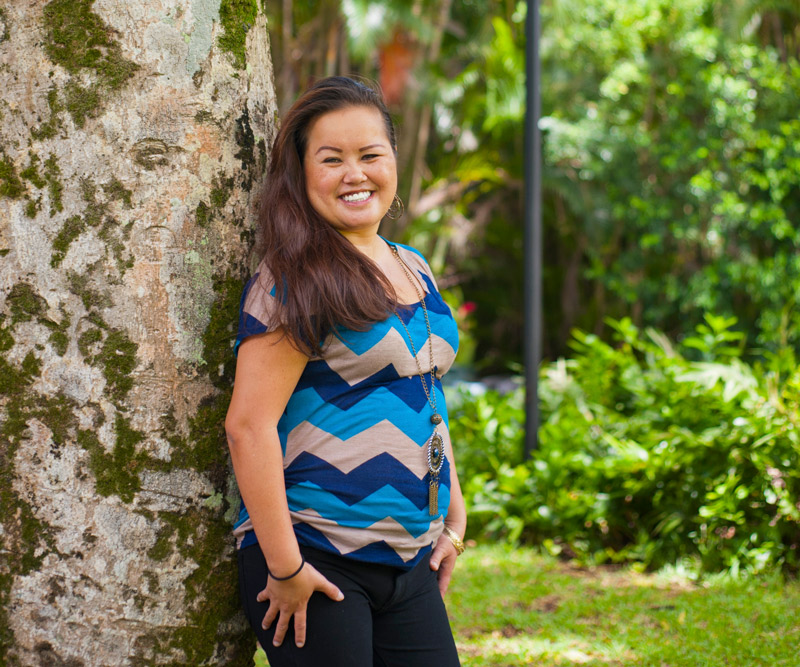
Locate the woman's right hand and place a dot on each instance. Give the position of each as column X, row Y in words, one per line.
column 290, row 598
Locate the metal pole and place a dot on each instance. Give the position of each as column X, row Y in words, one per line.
column 533, row 229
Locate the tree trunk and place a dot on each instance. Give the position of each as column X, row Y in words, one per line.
column 133, row 139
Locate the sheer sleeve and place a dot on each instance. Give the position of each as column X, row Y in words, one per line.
column 256, row 307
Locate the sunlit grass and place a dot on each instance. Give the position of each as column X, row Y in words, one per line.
column 511, row 608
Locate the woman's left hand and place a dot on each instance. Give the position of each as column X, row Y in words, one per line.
column 443, row 560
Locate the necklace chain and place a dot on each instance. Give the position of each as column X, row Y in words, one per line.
column 430, row 394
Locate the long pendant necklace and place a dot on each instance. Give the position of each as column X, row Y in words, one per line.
column 435, row 443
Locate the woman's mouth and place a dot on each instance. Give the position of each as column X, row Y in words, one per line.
column 356, row 197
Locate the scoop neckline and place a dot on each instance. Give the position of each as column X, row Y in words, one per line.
column 425, row 290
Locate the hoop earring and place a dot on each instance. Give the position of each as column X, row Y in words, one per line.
column 397, row 208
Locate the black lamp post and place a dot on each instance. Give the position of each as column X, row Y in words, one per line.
column 533, row 229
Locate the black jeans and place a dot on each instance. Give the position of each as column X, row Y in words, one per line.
column 388, row 618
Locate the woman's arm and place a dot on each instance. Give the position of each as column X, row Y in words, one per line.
column 443, row 559
column 267, row 370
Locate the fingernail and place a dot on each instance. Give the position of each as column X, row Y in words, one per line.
column 340, row 597
column 276, row 643
column 299, row 644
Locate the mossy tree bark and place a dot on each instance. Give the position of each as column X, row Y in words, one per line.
column 133, row 136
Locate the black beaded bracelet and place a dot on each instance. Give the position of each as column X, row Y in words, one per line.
column 292, row 575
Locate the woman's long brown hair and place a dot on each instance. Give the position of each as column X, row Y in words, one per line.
column 322, row 282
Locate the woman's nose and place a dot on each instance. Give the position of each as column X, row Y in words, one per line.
column 354, row 173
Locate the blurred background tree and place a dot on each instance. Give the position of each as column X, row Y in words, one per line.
column 671, row 155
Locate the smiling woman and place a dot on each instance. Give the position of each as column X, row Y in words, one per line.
column 352, row 514
column 351, row 170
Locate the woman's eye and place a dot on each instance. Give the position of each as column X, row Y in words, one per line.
column 331, row 160
column 370, row 156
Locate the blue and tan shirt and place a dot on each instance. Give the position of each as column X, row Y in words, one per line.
column 354, row 430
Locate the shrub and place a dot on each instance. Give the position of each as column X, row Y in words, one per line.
column 648, row 452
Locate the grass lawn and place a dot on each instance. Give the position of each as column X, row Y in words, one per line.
column 514, row 607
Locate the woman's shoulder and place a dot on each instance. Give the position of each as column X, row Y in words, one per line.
column 259, row 293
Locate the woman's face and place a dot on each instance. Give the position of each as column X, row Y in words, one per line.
column 350, row 169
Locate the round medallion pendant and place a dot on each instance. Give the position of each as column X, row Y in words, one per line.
column 435, row 447
column 436, row 418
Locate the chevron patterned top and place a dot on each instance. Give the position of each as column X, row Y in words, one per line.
column 354, row 430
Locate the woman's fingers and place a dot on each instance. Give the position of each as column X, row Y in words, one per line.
column 281, row 628
column 300, row 627
column 269, row 617
column 445, row 574
column 331, row 590
column 443, row 560
column 443, row 549
column 288, row 601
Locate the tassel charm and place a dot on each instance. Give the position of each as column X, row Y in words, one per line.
column 435, row 447
column 433, row 495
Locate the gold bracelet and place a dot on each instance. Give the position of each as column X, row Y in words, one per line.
column 455, row 539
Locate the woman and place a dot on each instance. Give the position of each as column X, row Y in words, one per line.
column 352, row 513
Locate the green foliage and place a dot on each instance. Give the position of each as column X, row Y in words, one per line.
column 647, row 452
column 671, row 186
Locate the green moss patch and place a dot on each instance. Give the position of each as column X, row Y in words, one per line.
column 115, row 190
column 202, row 214
column 10, row 184
column 203, row 536
column 245, row 139
column 58, row 332
column 78, row 39
column 221, row 193
column 110, row 235
column 52, row 125
column 88, row 340
column 220, row 334
column 31, row 172
column 6, row 339
column 118, row 359
column 116, row 473
column 31, row 366
column 96, row 214
column 81, row 102
column 3, row 25
column 92, row 299
column 70, row 230
column 52, row 174
column 236, row 17
column 25, row 303
column 32, row 207
column 163, row 546
column 25, row 540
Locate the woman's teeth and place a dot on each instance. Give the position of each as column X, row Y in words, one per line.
column 357, row 196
